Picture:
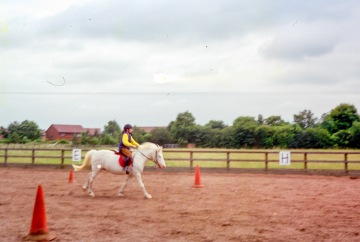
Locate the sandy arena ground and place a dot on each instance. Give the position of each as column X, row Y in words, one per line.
column 230, row 207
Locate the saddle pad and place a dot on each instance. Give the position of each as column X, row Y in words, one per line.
column 122, row 159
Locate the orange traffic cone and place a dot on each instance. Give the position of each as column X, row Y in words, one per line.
column 39, row 229
column 71, row 176
column 197, row 183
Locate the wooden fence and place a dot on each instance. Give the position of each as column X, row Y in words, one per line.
column 254, row 161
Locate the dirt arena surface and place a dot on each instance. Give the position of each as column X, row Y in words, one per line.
column 230, row 207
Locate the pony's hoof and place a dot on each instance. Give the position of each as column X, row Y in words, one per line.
column 148, row 196
column 120, row 194
column 91, row 194
column 84, row 188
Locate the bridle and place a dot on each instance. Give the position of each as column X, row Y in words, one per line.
column 156, row 155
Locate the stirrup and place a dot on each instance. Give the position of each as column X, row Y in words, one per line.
column 127, row 169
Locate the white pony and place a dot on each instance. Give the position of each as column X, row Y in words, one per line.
column 109, row 161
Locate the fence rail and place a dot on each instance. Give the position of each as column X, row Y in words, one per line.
column 264, row 161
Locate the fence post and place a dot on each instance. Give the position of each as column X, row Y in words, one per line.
column 266, row 161
column 33, row 157
column 305, row 161
column 228, row 160
column 191, row 159
column 346, row 163
column 6, row 156
column 62, row 158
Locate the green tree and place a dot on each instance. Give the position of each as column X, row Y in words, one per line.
column 185, row 118
column 160, row 136
column 275, row 121
column 211, row 135
column 139, row 135
column 111, row 134
column 14, row 138
column 284, row 135
column 215, row 124
column 340, row 118
column 107, row 139
column 183, row 129
column 355, row 135
column 226, row 140
column 26, row 131
column 305, row 119
column 112, row 128
column 93, row 141
column 264, row 136
column 342, row 138
column 201, row 135
column 85, row 138
column 75, row 140
column 215, row 138
column 12, row 128
column 243, row 132
column 30, row 130
column 260, row 119
column 317, row 138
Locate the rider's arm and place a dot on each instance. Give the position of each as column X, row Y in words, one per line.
column 132, row 143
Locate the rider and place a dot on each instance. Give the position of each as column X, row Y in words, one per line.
column 127, row 141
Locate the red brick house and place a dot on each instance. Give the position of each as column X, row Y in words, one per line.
column 67, row 131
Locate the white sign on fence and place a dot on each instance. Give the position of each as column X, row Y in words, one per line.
column 284, row 158
column 76, row 154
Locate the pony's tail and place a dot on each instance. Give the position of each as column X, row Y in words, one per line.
column 86, row 161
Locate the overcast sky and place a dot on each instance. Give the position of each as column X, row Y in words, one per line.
column 88, row 62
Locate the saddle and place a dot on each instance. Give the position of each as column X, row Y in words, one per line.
column 122, row 159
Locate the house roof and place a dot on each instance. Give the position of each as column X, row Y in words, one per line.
column 74, row 129
column 68, row 128
column 93, row 131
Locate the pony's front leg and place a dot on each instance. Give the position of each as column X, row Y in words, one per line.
column 121, row 190
column 141, row 185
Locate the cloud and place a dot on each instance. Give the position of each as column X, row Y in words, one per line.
column 161, row 78
column 296, row 49
column 39, row 9
column 204, row 54
column 301, row 41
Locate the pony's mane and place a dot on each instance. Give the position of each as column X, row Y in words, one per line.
column 148, row 145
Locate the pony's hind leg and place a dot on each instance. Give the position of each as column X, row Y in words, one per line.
column 86, row 185
column 92, row 176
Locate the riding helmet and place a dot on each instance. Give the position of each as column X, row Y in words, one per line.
column 127, row 126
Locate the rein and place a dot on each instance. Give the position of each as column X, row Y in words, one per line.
column 155, row 161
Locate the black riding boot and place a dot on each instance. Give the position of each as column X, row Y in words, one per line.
column 126, row 165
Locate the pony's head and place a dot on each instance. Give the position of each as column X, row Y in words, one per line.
column 156, row 154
